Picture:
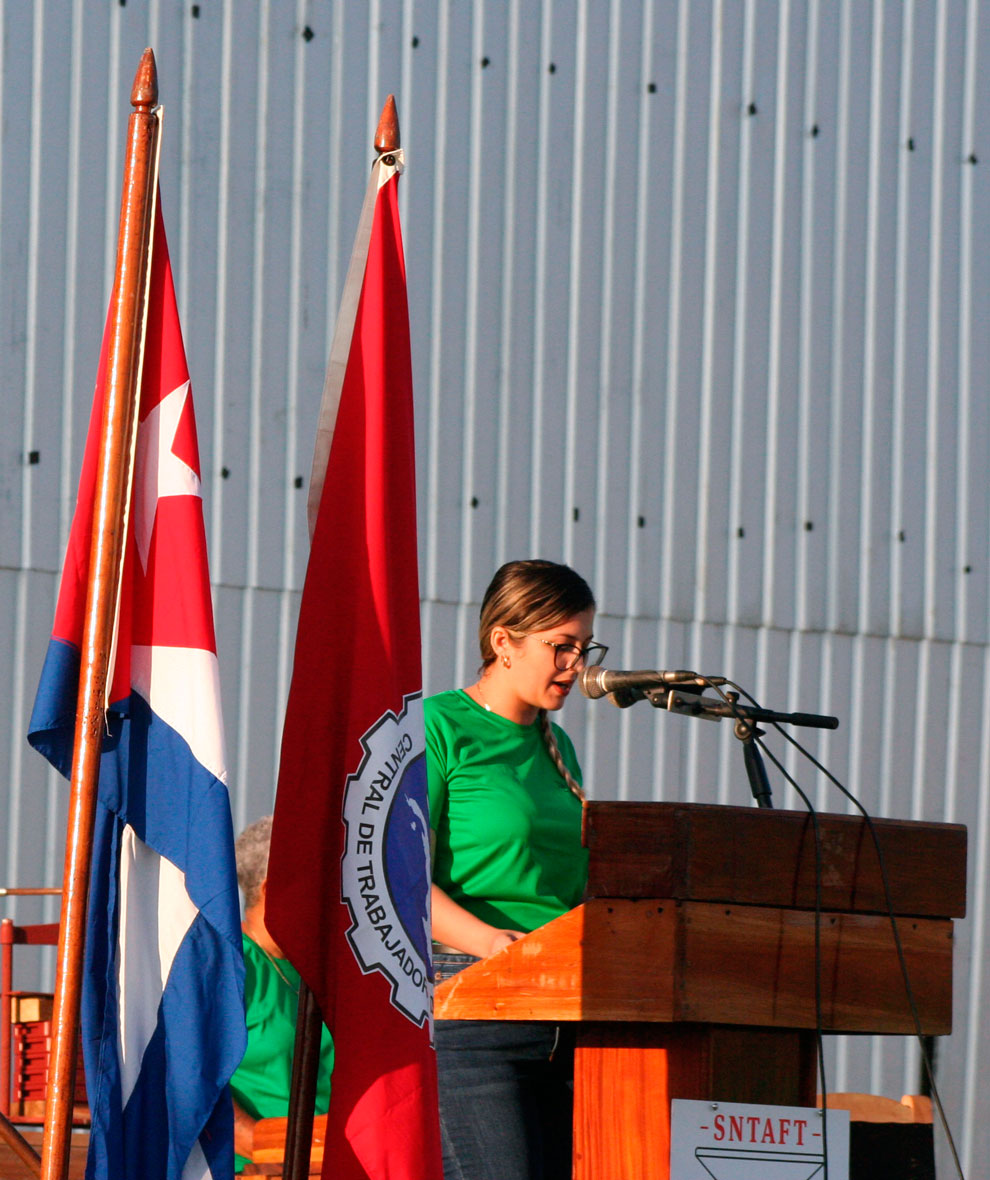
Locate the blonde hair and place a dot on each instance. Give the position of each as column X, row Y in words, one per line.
column 528, row 596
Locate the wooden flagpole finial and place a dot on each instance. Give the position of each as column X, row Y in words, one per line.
column 387, row 135
column 144, row 92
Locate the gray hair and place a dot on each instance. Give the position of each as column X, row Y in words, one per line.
column 251, row 852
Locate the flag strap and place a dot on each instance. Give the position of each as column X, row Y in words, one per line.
column 123, row 386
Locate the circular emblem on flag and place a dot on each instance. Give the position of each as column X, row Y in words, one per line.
column 385, row 868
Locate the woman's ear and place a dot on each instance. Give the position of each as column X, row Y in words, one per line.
column 501, row 643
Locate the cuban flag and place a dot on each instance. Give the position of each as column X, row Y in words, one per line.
column 162, row 1008
column 349, row 873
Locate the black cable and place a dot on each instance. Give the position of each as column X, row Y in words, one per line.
column 881, row 862
column 888, row 901
column 909, row 991
column 819, row 1036
column 819, row 1022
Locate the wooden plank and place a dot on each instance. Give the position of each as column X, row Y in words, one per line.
column 269, row 1141
column 30, row 1006
column 625, row 1076
column 875, row 1108
column 621, row 1102
column 753, row 965
column 32, row 1112
column 774, row 1066
column 11, row 1168
column 660, row 960
column 601, row 961
column 43, row 934
column 633, row 850
column 710, row 852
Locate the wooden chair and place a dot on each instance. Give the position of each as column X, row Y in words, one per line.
column 14, row 1168
column 888, row 1140
column 874, row 1108
column 24, row 1034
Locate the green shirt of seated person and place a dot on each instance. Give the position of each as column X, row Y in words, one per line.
column 261, row 1084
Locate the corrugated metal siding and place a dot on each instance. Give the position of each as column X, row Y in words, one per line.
column 699, row 303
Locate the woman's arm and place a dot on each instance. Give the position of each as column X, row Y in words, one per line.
column 243, row 1131
column 454, row 926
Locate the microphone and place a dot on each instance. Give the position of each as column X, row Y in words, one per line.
column 600, row 682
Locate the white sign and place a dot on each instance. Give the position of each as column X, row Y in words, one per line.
column 742, row 1141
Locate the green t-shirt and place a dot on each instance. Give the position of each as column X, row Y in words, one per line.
column 262, row 1081
column 508, row 829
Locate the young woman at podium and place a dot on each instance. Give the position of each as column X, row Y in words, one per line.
column 505, row 816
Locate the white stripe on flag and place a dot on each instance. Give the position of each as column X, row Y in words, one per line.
column 182, row 686
column 196, row 1166
column 340, row 346
column 155, row 914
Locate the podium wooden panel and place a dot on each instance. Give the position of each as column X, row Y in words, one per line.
column 690, row 969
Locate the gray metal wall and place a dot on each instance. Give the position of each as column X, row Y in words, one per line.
column 699, row 298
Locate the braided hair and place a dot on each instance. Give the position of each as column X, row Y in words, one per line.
column 546, row 729
column 527, row 596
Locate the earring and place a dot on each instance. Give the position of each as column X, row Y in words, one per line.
column 506, row 662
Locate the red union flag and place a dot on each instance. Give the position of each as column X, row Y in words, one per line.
column 348, row 887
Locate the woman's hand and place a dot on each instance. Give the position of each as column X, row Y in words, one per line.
column 502, row 939
column 454, row 926
column 243, row 1131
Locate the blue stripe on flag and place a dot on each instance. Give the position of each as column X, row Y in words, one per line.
column 176, row 806
column 150, row 780
column 51, row 730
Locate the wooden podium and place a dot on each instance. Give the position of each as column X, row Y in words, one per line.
column 690, row 969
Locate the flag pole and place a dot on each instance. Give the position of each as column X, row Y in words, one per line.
column 309, row 1020
column 124, row 361
column 302, row 1090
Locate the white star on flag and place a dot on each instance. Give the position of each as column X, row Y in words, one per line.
column 156, row 434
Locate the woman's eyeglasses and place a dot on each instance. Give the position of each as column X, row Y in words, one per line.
column 569, row 655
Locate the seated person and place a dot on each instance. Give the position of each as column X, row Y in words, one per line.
column 261, row 1084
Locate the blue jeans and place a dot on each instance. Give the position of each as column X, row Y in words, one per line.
column 506, row 1100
